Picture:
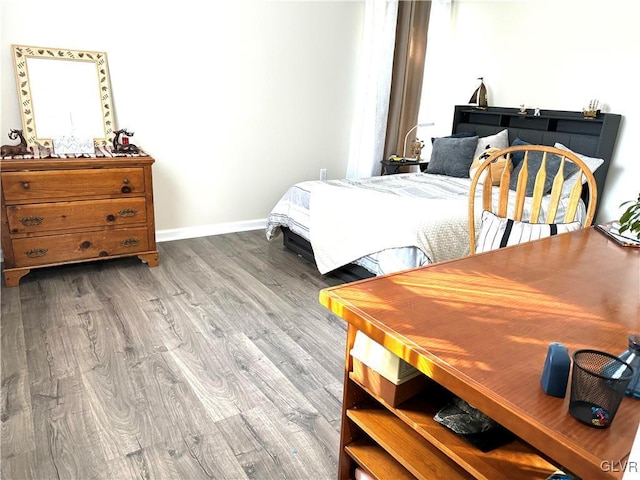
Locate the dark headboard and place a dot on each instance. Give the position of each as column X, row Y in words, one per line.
column 592, row 137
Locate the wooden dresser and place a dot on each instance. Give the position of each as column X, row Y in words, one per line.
column 60, row 211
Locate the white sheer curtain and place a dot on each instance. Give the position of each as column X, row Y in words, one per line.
column 374, row 86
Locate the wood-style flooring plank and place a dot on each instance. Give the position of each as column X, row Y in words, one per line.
column 62, row 416
column 256, row 461
column 17, row 435
column 22, row 466
column 219, row 363
column 296, row 453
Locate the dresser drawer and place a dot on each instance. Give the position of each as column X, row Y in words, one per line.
column 51, row 249
column 47, row 217
column 60, row 184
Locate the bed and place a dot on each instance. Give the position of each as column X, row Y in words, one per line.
column 372, row 226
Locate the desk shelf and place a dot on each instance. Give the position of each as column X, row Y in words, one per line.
column 373, row 459
column 393, row 436
column 406, row 442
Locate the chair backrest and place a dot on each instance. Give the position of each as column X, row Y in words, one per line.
column 542, row 168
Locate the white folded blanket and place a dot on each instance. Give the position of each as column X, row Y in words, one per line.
column 337, row 216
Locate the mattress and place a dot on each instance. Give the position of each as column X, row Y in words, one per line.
column 293, row 212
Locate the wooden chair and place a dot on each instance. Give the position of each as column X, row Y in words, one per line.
column 500, row 206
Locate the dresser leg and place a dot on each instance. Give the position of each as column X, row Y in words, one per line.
column 12, row 277
column 150, row 259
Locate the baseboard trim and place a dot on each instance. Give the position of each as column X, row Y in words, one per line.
column 208, row 230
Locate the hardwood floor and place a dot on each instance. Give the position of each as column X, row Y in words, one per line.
column 220, row 363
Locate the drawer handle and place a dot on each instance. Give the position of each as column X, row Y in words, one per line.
column 126, row 188
column 31, row 221
column 128, row 212
column 25, row 185
column 85, row 244
column 111, row 218
column 130, row 242
column 36, row 252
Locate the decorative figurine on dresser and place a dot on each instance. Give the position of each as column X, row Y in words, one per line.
column 19, row 149
column 59, row 207
column 123, row 146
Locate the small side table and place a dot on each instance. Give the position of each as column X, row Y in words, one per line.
column 390, row 167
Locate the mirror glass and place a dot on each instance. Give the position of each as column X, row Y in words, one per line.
column 63, row 93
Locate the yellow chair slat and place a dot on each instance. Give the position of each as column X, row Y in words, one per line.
column 517, row 200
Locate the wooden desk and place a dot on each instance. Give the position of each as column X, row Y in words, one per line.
column 480, row 327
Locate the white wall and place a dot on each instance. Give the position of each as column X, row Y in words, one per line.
column 551, row 54
column 236, row 100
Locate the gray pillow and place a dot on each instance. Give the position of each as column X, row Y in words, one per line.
column 452, row 156
column 551, row 168
column 456, row 135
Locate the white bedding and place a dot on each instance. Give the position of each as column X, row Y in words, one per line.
column 385, row 224
column 341, row 230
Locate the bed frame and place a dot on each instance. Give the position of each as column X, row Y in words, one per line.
column 302, row 247
column 594, row 137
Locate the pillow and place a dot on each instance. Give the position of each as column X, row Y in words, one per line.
column 517, row 157
column 533, row 165
column 457, row 135
column 497, row 166
column 452, row 156
column 591, row 162
column 499, row 140
column 497, row 232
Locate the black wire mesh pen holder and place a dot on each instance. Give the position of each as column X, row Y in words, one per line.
column 598, row 382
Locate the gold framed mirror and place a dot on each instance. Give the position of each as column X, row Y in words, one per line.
column 63, row 92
